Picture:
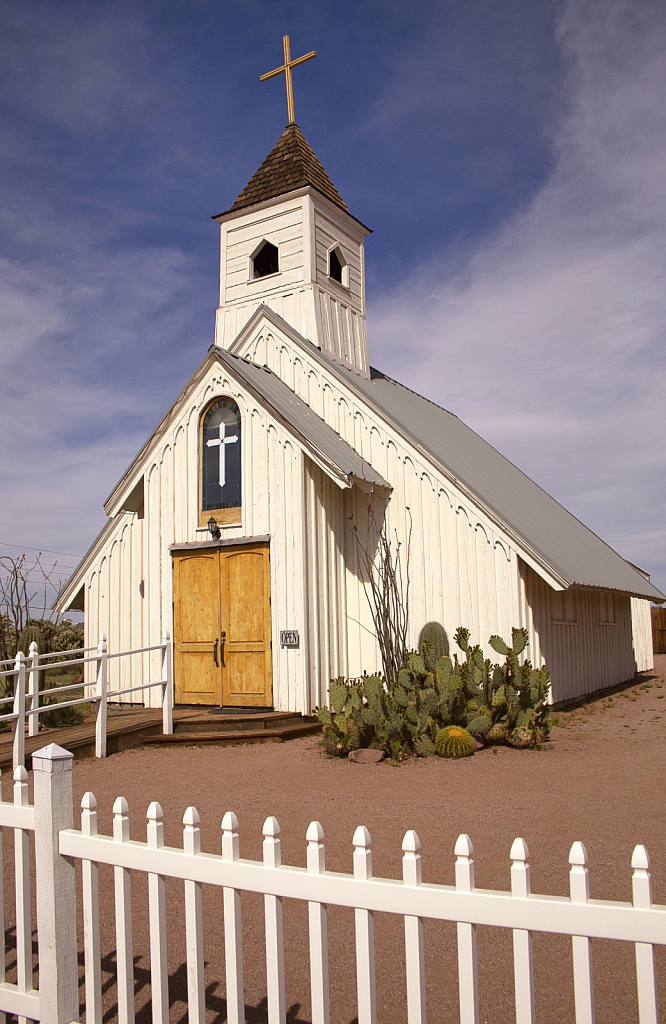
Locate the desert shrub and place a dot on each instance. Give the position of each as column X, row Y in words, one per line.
column 494, row 703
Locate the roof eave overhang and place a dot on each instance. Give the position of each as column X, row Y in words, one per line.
column 296, row 193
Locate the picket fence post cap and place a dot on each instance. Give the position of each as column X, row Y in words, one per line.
column 640, row 859
column 52, row 758
column 411, row 843
column 191, row 817
column 120, row 805
column 20, row 774
column 578, row 854
column 519, row 850
column 315, row 832
column 463, row 847
column 271, row 827
column 361, row 837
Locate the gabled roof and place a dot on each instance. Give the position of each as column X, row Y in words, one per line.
column 291, row 164
column 555, row 538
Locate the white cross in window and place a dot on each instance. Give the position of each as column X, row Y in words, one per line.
column 220, row 442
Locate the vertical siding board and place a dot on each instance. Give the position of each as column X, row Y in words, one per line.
column 585, row 655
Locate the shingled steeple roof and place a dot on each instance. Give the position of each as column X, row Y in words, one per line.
column 291, row 164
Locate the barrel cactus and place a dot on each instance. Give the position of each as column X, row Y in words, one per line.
column 452, row 741
column 433, row 644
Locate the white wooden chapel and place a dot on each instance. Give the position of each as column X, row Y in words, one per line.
column 286, row 439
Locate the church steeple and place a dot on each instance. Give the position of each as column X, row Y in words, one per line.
column 289, row 241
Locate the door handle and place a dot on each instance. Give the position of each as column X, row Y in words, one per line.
column 215, row 654
column 223, row 638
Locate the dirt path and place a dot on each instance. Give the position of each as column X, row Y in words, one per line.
column 602, row 781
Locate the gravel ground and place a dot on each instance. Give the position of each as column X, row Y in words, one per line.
column 601, row 780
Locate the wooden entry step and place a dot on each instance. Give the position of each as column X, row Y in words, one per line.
column 225, row 730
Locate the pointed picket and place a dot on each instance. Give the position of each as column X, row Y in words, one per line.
column 196, row 993
column 274, row 929
column 22, row 888
column 467, row 963
column 318, row 926
column 579, row 890
column 233, row 936
column 523, row 970
column 159, row 976
column 414, row 950
column 648, row 1008
column 91, row 937
column 364, row 920
column 123, row 898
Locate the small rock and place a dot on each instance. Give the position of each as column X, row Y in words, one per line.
column 477, row 744
column 366, row 756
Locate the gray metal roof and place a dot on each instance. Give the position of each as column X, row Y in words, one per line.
column 300, row 417
column 560, row 541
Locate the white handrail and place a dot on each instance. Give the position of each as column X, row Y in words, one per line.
column 31, row 667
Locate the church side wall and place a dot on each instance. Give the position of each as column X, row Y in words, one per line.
column 641, row 627
column 460, row 572
column 129, row 585
column 583, row 654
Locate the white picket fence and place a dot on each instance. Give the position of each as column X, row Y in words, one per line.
column 58, row 845
column 26, row 702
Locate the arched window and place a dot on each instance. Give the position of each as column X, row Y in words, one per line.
column 221, row 457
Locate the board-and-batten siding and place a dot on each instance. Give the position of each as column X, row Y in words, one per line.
column 641, row 626
column 129, row 584
column 460, row 573
column 582, row 655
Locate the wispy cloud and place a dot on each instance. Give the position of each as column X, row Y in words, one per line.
column 550, row 339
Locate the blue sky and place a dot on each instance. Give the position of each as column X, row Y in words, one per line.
column 510, row 158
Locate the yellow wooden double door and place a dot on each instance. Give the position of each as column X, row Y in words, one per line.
column 222, row 626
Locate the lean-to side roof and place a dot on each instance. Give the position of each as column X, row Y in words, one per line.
column 291, row 164
column 300, row 418
column 559, row 541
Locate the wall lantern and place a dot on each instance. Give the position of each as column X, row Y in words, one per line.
column 213, row 528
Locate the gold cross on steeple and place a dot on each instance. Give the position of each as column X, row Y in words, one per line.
column 286, row 67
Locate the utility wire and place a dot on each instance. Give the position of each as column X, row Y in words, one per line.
column 48, row 551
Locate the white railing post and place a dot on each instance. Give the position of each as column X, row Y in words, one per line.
column 22, row 888
column 414, row 954
column 364, row 920
column 100, row 697
column 233, row 934
column 123, row 899
column 91, row 935
column 159, row 977
column 318, row 926
column 648, row 1007
column 18, row 724
column 467, row 962
column 579, row 891
column 55, row 887
column 196, row 992
column 274, row 928
column 523, row 971
column 33, row 688
column 167, row 688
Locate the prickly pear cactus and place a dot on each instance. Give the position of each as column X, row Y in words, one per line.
column 452, row 741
